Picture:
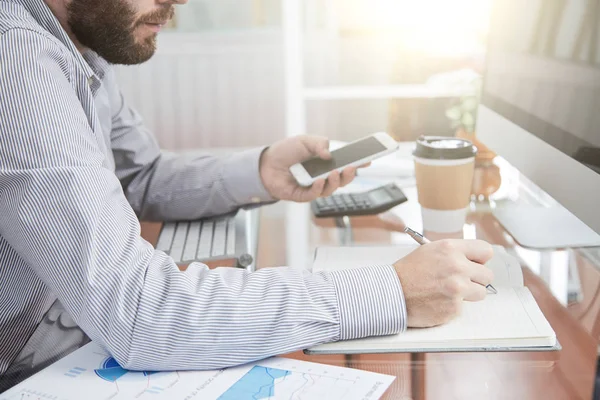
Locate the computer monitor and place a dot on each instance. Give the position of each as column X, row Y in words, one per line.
column 540, row 110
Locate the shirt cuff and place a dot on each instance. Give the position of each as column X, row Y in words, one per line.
column 371, row 302
column 241, row 177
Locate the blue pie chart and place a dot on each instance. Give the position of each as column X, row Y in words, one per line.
column 111, row 371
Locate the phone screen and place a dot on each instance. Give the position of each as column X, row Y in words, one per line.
column 344, row 156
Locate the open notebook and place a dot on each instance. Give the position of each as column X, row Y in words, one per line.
column 507, row 321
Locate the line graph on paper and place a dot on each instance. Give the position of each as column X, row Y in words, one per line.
column 272, row 383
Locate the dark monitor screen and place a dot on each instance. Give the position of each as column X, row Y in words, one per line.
column 543, row 72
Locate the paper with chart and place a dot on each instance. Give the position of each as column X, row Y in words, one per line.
column 91, row 374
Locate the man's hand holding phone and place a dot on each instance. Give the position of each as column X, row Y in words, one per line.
column 354, row 154
column 276, row 161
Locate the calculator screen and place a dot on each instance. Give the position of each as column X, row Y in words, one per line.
column 379, row 196
column 344, row 156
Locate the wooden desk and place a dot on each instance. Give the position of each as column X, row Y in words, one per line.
column 568, row 374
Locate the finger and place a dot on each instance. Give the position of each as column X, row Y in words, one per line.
column 333, row 182
column 312, row 192
column 365, row 165
column 480, row 274
column 475, row 292
column 348, row 174
column 317, row 146
column 478, row 251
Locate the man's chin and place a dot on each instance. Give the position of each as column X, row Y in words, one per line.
column 137, row 55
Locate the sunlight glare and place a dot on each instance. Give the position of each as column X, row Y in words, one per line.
column 440, row 26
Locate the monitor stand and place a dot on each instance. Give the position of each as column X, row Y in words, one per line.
column 545, row 227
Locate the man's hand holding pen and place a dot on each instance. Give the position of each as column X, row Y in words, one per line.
column 437, row 277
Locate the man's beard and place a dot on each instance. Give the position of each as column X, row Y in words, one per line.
column 107, row 27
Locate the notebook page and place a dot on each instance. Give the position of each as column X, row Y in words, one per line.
column 506, row 268
column 505, row 315
column 510, row 318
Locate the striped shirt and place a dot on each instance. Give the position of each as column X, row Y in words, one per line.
column 77, row 172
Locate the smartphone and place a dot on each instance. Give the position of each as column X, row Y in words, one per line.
column 353, row 154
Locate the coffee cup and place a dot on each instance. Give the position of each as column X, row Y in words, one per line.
column 444, row 168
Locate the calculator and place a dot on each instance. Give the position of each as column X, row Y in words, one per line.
column 370, row 202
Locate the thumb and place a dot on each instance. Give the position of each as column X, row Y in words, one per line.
column 317, row 146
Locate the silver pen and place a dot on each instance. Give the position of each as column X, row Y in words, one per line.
column 417, row 237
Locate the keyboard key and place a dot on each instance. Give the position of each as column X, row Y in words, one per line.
column 206, row 235
column 166, row 237
column 231, row 236
column 218, row 247
column 179, row 241
column 191, row 243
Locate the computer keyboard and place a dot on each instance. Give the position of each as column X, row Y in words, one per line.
column 224, row 237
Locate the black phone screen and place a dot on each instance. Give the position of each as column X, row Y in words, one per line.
column 344, row 156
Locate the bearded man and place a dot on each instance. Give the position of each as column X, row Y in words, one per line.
column 77, row 172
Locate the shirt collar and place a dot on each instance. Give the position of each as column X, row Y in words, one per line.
column 93, row 65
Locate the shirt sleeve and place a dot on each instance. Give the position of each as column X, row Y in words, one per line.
column 67, row 217
column 166, row 186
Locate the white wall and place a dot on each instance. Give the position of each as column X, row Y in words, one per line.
column 210, row 90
